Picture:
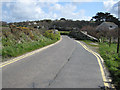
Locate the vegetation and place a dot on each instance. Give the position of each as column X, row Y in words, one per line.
column 52, row 35
column 90, row 43
column 61, row 25
column 26, row 36
column 112, row 61
column 84, row 34
column 101, row 17
column 108, row 50
column 64, row 32
column 19, row 40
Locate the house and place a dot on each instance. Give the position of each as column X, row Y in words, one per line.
column 107, row 26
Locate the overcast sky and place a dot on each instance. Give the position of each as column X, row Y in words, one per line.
column 22, row 10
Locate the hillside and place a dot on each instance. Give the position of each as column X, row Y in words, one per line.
column 19, row 40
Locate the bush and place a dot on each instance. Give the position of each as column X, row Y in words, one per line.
column 50, row 34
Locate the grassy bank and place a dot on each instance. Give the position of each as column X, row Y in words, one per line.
column 111, row 59
column 20, row 41
column 19, row 49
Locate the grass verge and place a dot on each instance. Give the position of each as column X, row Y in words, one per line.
column 10, row 49
column 111, row 59
column 19, row 49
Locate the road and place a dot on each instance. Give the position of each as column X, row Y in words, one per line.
column 64, row 65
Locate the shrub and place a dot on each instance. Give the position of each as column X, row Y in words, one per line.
column 50, row 34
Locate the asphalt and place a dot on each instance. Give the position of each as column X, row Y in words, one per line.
column 64, row 65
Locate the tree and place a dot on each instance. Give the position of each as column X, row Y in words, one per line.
column 101, row 17
column 62, row 19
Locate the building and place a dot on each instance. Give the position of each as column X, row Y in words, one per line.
column 109, row 29
column 107, row 26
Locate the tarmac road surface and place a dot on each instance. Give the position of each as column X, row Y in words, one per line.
column 65, row 65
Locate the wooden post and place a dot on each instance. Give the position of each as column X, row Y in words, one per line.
column 109, row 41
column 118, row 43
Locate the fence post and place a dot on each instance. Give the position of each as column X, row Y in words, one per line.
column 118, row 44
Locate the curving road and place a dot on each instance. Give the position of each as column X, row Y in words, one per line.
column 64, row 65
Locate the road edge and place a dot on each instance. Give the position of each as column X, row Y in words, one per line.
column 101, row 63
column 27, row 54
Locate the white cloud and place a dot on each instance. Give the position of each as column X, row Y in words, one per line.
column 35, row 9
column 30, row 0
column 109, row 4
column 57, row 6
column 86, row 0
column 29, row 10
column 68, row 11
column 57, row 0
column 8, row 5
column 112, row 6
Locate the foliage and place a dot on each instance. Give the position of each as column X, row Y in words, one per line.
column 19, row 40
column 101, row 17
column 90, row 43
column 90, row 30
column 52, row 35
column 62, row 24
column 112, row 61
column 62, row 19
column 21, row 48
column 64, row 32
